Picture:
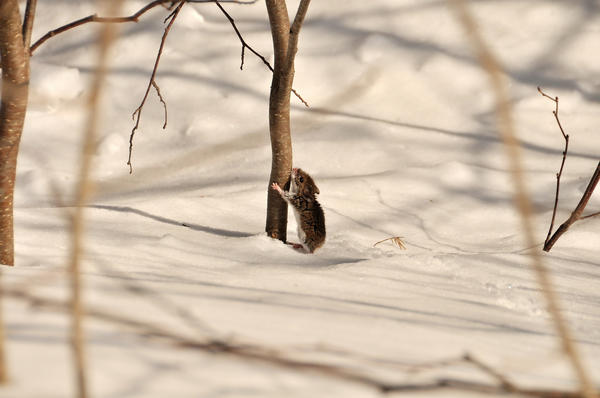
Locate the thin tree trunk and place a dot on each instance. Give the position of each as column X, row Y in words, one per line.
column 3, row 365
column 15, row 87
column 285, row 41
column 279, row 119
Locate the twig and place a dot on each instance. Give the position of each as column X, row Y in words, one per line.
column 241, row 38
column 576, row 214
column 160, row 97
column 397, row 240
column 522, row 201
column 95, row 18
column 504, row 382
column 28, row 21
column 138, row 112
column 562, row 164
column 245, row 46
column 295, row 33
column 293, row 40
column 590, row 215
column 300, row 98
column 131, row 18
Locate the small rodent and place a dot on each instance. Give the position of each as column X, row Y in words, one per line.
column 308, row 212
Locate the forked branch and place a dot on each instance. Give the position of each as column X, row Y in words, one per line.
column 245, row 45
column 577, row 213
column 241, row 38
column 28, row 21
column 137, row 114
column 95, row 18
column 562, row 164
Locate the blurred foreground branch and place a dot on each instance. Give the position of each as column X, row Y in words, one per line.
column 506, row 129
column 83, row 191
column 273, row 357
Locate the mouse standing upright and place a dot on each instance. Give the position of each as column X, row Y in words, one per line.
column 308, row 212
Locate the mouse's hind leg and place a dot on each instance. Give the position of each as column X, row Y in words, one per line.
column 298, row 247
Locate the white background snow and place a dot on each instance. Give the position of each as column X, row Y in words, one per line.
column 401, row 140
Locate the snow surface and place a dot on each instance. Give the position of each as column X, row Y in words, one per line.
column 401, row 141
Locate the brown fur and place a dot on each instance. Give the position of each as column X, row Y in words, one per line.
column 308, row 211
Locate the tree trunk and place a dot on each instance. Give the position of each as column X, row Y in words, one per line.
column 15, row 86
column 3, row 364
column 285, row 42
column 279, row 119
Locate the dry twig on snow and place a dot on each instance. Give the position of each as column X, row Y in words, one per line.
column 396, row 240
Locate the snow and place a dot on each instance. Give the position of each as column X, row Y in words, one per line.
column 401, row 141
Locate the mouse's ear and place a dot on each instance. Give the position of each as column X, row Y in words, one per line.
column 311, row 189
column 310, row 186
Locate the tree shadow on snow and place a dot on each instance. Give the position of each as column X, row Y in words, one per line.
column 195, row 227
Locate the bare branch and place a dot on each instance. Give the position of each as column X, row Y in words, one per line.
column 295, row 33
column 95, row 18
column 138, row 112
column 245, row 46
column 590, row 215
column 160, row 97
column 131, row 18
column 504, row 382
column 576, row 214
column 241, row 38
column 562, row 164
column 28, row 21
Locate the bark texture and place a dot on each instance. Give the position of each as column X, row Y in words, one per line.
column 279, row 119
column 285, row 44
column 15, row 87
